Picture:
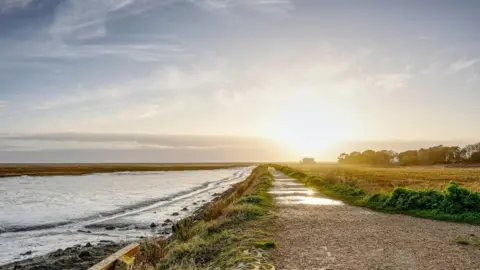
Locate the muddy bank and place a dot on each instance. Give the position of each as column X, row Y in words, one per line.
column 77, row 257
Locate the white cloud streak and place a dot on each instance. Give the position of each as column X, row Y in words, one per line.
column 462, row 64
column 274, row 7
column 7, row 6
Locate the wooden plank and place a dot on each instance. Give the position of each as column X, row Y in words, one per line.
column 109, row 262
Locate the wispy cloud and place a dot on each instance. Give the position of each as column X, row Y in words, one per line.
column 84, row 19
column 462, row 64
column 392, row 82
column 275, row 7
column 87, row 19
column 171, row 80
column 12, row 5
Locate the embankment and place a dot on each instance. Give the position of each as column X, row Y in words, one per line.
column 231, row 233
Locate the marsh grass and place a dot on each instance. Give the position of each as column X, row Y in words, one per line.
column 9, row 170
column 385, row 179
column 152, row 250
column 233, row 231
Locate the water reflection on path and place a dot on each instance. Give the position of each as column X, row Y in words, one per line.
column 289, row 191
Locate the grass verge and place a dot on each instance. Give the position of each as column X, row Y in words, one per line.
column 453, row 203
column 232, row 233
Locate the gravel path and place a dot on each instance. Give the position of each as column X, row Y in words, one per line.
column 314, row 232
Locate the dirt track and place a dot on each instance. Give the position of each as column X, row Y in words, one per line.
column 313, row 232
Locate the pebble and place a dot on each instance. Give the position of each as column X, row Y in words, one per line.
column 26, row 253
column 84, row 254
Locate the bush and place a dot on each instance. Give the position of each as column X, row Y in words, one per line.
column 251, row 200
column 458, row 199
column 407, row 199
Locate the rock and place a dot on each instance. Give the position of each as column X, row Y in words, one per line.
column 84, row 254
column 153, row 225
column 194, row 203
column 203, row 200
column 216, row 194
column 165, row 224
column 154, row 212
column 168, row 220
column 110, row 228
column 185, row 209
column 106, row 242
column 88, row 244
column 175, row 214
column 26, row 253
column 82, row 231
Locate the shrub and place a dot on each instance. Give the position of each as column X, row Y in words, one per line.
column 244, row 212
column 458, row 199
column 251, row 200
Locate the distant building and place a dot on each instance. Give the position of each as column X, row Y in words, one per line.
column 308, row 161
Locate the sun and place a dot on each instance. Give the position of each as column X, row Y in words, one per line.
column 305, row 140
column 308, row 131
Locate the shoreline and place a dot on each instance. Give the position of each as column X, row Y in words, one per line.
column 16, row 170
column 80, row 257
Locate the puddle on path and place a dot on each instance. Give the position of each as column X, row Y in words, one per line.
column 288, row 191
column 307, row 200
column 292, row 191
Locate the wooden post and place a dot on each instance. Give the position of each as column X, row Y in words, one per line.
column 120, row 260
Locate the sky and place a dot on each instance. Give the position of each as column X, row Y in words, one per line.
column 220, row 78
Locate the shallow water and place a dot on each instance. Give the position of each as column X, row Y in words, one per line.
column 42, row 214
column 289, row 191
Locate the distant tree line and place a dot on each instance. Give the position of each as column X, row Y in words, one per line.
column 430, row 156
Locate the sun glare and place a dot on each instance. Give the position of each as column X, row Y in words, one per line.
column 308, row 131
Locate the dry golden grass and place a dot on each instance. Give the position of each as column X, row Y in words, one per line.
column 377, row 179
column 7, row 170
column 151, row 252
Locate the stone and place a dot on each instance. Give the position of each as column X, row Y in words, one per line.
column 26, row 253
column 84, row 254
